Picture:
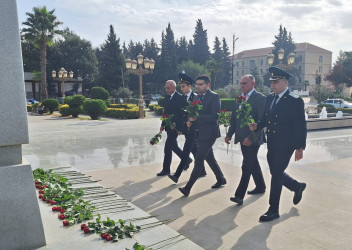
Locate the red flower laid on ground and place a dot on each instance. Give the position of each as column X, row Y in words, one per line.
column 66, row 223
column 103, row 235
column 83, row 226
column 62, row 211
column 108, row 238
column 86, row 230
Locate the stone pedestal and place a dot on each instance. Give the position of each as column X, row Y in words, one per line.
column 21, row 224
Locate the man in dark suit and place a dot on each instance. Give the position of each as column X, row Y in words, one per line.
column 190, row 134
column 284, row 119
column 208, row 131
column 174, row 105
column 249, row 145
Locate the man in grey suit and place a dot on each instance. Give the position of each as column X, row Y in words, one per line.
column 207, row 129
column 249, row 145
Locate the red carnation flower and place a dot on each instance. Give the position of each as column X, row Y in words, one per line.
column 152, row 142
column 48, row 201
column 40, row 196
column 108, row 238
column 163, row 116
column 61, row 216
column 43, row 198
column 194, row 103
column 224, row 110
column 52, row 202
column 53, row 209
column 58, row 208
column 54, row 195
column 167, row 116
column 37, row 182
column 66, row 223
column 40, row 187
column 46, row 186
column 86, row 230
column 62, row 211
column 103, row 235
column 199, row 101
column 41, row 191
column 83, row 226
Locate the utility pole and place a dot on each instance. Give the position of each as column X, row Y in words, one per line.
column 233, row 54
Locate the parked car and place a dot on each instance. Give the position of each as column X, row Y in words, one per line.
column 338, row 103
column 156, row 97
column 32, row 101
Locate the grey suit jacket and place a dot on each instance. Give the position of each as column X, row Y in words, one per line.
column 257, row 102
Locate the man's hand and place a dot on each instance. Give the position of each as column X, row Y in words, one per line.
column 247, row 142
column 253, row 126
column 192, row 119
column 227, row 140
column 189, row 124
column 298, row 154
column 179, row 132
column 162, row 128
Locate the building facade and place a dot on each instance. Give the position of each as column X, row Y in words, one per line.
column 310, row 61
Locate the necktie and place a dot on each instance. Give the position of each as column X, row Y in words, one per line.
column 274, row 102
column 201, row 97
column 169, row 97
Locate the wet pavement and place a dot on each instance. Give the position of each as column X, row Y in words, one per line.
column 118, row 153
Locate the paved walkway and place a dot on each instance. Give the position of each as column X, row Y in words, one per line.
column 118, row 153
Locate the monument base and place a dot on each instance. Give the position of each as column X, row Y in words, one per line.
column 327, row 123
column 21, row 222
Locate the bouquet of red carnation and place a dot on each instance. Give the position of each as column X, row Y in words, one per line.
column 193, row 108
column 224, row 119
column 156, row 138
column 167, row 119
column 244, row 114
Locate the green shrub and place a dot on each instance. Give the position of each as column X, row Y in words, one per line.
column 158, row 110
column 124, row 105
column 67, row 100
column 99, row 93
column 77, row 101
column 132, row 113
column 151, row 106
column 222, row 93
column 161, row 101
column 74, row 111
column 115, row 113
column 345, row 111
column 64, row 110
column 95, row 108
column 130, row 100
column 51, row 104
column 228, row 104
column 329, row 108
column 29, row 107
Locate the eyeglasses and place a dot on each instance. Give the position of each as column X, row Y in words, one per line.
column 200, row 84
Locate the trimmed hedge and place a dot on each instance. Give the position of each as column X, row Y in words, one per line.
column 51, row 104
column 228, row 104
column 95, row 108
column 64, row 110
column 151, row 106
column 122, row 113
column 123, row 106
column 158, row 110
column 29, row 107
column 347, row 111
column 329, row 108
column 99, row 93
column 161, row 101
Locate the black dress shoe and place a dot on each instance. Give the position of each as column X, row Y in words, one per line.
column 188, row 163
column 184, row 191
column 237, row 200
column 269, row 216
column 174, row 178
column 256, row 191
column 162, row 173
column 298, row 193
column 219, row 183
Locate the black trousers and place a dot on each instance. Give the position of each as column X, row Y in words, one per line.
column 170, row 146
column 190, row 145
column 250, row 167
column 278, row 159
column 205, row 152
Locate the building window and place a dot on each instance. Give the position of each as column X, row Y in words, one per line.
column 261, row 61
column 300, row 68
column 237, row 73
column 261, row 71
column 242, row 63
column 251, row 64
column 242, row 72
column 299, row 79
column 320, row 69
column 236, row 81
column 320, row 59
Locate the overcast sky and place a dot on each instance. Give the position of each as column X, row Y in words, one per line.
column 325, row 23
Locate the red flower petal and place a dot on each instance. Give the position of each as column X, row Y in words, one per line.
column 83, row 226
column 66, row 223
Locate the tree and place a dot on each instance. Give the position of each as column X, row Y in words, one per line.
column 226, row 63
column 76, row 54
column 42, row 27
column 217, row 54
column 182, row 50
column 200, row 48
column 192, row 69
column 110, row 62
column 30, row 56
column 341, row 72
column 213, row 67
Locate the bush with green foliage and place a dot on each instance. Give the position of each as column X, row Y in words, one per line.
column 64, row 110
column 159, row 110
column 77, row 101
column 130, row 100
column 222, row 93
column 123, row 105
column 161, row 101
column 99, row 93
column 95, row 108
column 132, row 113
column 51, row 104
column 228, row 104
column 115, row 112
column 329, row 108
column 29, row 107
column 151, row 107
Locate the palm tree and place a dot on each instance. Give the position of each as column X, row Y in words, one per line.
column 42, row 27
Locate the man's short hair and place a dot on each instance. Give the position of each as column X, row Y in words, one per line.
column 172, row 82
column 205, row 78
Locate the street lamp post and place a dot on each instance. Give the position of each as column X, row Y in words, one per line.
column 131, row 66
column 280, row 56
column 62, row 76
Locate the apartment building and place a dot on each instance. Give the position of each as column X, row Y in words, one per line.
column 310, row 60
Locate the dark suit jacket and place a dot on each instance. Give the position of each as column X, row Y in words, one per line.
column 207, row 122
column 286, row 124
column 175, row 106
column 257, row 102
column 184, row 128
